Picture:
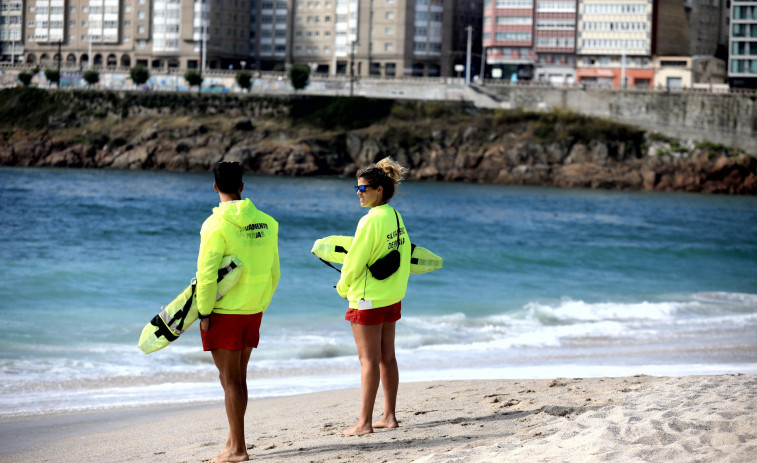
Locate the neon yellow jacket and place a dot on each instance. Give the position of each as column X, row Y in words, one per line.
column 238, row 228
column 375, row 236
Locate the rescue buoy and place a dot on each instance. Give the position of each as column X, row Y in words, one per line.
column 332, row 249
column 176, row 317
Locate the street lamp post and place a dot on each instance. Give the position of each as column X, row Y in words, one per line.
column 623, row 68
column 204, row 46
column 467, row 56
column 352, row 67
column 60, row 56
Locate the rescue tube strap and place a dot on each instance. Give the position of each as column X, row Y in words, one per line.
column 225, row 270
column 162, row 329
column 329, row 263
column 384, row 267
column 176, row 323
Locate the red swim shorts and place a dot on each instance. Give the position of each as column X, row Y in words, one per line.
column 232, row 332
column 377, row 316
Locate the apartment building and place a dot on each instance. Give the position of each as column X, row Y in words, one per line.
column 555, row 41
column 530, row 40
column 508, row 39
column 270, row 33
column 742, row 62
column 11, row 31
column 158, row 34
column 388, row 38
column 614, row 43
column 377, row 37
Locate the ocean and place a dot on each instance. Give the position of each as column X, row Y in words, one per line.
column 537, row 283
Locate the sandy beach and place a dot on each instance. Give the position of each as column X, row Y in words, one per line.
column 640, row 418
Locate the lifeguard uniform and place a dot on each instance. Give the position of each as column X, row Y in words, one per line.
column 376, row 236
column 237, row 228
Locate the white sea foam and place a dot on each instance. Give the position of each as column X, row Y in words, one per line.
column 521, row 343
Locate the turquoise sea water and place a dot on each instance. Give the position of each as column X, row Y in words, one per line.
column 536, row 282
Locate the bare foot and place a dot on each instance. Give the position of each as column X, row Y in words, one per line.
column 358, row 430
column 227, row 456
column 386, row 423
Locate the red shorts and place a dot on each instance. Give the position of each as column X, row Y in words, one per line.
column 232, row 332
column 377, row 316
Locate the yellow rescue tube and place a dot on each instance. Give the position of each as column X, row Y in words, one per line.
column 177, row 316
column 334, row 248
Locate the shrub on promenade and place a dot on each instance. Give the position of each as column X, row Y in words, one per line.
column 53, row 76
column 91, row 77
column 25, row 78
column 299, row 76
column 139, row 75
column 244, row 80
column 193, row 78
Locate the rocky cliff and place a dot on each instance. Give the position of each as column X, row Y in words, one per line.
column 437, row 141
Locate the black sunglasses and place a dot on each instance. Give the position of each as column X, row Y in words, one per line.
column 361, row 188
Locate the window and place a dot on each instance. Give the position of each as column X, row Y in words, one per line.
column 388, row 46
column 512, row 36
column 514, row 20
column 141, row 15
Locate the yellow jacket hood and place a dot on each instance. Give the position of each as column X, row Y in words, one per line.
column 238, row 228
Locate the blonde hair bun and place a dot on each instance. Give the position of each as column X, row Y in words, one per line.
column 392, row 169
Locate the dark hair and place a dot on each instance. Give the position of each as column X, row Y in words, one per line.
column 228, row 176
column 386, row 173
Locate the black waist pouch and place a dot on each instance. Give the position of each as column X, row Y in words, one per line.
column 384, row 267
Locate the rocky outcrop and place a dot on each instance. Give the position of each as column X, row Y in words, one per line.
column 468, row 154
column 301, row 137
